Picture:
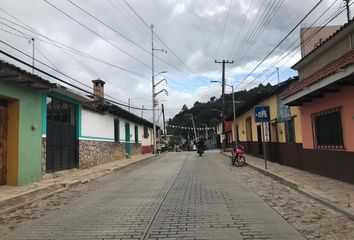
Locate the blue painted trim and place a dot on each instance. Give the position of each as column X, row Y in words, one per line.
column 63, row 97
column 44, row 113
column 78, row 111
column 97, row 138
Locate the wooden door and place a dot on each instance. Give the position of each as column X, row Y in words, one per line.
column 3, row 142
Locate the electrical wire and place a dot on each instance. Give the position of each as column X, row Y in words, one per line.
column 311, row 36
column 66, row 47
column 223, row 30
column 287, row 35
column 97, row 34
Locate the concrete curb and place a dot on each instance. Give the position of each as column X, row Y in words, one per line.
column 63, row 186
column 302, row 189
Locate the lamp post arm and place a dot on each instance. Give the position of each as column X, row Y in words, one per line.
column 163, row 90
column 161, row 82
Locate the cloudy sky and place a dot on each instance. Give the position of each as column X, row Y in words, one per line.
column 114, row 44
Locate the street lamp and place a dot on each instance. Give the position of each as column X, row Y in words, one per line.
column 233, row 104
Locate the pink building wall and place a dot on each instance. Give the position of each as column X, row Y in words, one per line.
column 345, row 99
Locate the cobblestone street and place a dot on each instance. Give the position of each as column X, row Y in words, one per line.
column 313, row 219
column 180, row 196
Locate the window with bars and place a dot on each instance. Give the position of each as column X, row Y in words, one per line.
column 327, row 126
column 136, row 130
column 146, row 132
column 60, row 111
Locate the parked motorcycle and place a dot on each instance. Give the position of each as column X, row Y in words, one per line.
column 237, row 157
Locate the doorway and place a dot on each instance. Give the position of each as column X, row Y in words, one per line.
column 3, row 140
column 249, row 134
column 127, row 138
column 61, row 135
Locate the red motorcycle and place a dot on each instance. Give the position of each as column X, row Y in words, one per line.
column 237, row 157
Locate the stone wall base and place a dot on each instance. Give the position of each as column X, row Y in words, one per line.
column 44, row 155
column 135, row 148
column 92, row 153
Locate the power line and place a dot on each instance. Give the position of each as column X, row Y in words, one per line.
column 106, row 25
column 160, row 39
column 56, row 70
column 312, row 35
column 223, row 30
column 264, row 20
column 66, row 47
column 240, row 29
column 59, row 79
column 292, row 30
column 246, row 36
column 124, row 14
column 98, row 35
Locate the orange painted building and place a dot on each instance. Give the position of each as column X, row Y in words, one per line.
column 325, row 95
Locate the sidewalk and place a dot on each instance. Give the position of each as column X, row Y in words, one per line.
column 14, row 197
column 333, row 193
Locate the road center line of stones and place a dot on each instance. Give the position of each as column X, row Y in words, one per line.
column 163, row 200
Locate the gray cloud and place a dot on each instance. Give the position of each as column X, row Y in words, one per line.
column 192, row 28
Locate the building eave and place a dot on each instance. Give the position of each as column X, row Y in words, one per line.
column 328, row 84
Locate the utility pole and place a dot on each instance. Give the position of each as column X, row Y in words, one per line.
column 278, row 75
column 223, row 62
column 348, row 10
column 142, row 111
column 234, row 113
column 32, row 55
column 195, row 133
column 163, row 118
column 153, row 89
column 154, row 85
column 129, row 104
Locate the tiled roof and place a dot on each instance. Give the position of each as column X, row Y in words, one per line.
column 27, row 77
column 325, row 41
column 331, row 68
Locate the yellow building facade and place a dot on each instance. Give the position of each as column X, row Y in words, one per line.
column 284, row 136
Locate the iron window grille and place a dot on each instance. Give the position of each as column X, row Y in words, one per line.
column 327, row 129
column 146, row 132
column 136, row 130
column 60, row 111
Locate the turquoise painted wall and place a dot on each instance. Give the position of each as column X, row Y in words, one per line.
column 30, row 142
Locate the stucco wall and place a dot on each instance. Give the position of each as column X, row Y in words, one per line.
column 97, row 125
column 132, row 125
column 25, row 147
column 280, row 131
column 344, row 99
column 146, row 141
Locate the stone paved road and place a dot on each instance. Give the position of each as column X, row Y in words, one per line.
column 180, row 196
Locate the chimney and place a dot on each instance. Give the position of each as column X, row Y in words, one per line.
column 98, row 89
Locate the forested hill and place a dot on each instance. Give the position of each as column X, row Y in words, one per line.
column 209, row 112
